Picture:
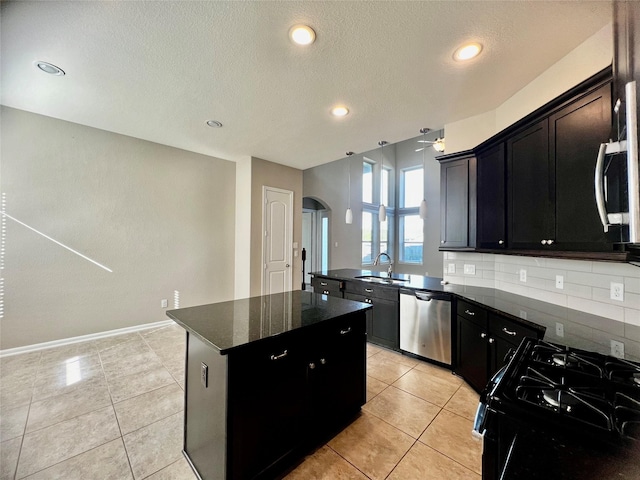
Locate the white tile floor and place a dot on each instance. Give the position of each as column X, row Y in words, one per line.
column 113, row 409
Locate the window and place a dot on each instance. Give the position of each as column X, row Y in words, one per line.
column 367, row 237
column 376, row 189
column 367, row 182
column 411, row 227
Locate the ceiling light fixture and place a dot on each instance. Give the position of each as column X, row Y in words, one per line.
column 422, row 211
column 382, row 211
column 348, row 218
column 302, row 35
column 438, row 145
column 467, row 52
column 49, row 68
column 339, row 111
column 214, row 123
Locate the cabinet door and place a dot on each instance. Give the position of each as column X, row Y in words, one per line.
column 491, row 199
column 267, row 404
column 337, row 371
column 472, row 353
column 385, row 326
column 576, row 132
column 530, row 188
column 363, row 299
column 454, row 198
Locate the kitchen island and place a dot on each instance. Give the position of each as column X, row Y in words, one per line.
column 268, row 378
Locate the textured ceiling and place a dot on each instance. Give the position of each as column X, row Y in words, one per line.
column 157, row 70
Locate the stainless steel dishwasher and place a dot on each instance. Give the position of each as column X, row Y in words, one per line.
column 425, row 324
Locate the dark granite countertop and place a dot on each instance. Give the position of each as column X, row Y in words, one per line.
column 230, row 325
column 581, row 329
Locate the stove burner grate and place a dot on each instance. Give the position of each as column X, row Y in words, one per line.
column 565, row 358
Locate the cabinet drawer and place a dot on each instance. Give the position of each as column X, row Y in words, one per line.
column 509, row 330
column 372, row 290
column 472, row 312
column 326, row 286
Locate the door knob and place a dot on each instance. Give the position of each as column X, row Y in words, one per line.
column 287, row 265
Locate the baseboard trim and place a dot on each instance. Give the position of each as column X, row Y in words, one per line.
column 83, row 338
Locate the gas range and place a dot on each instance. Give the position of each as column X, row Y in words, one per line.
column 562, row 413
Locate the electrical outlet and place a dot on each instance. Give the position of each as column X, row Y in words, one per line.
column 523, row 314
column 617, row 349
column 451, row 268
column 164, row 303
column 523, row 275
column 559, row 329
column 559, row 282
column 469, row 269
column 617, row 291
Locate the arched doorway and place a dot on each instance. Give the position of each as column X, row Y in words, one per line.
column 315, row 236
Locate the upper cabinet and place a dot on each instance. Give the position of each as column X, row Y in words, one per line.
column 491, row 190
column 457, row 201
column 531, row 188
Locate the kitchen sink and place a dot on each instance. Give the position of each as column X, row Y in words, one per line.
column 384, row 280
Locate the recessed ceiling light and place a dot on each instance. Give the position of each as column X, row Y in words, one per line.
column 302, row 34
column 467, row 52
column 339, row 111
column 49, row 68
column 214, row 123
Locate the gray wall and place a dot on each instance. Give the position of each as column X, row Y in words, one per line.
column 161, row 218
column 329, row 183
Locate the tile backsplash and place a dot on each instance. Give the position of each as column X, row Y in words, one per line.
column 584, row 287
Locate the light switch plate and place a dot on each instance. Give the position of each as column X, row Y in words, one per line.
column 469, row 269
column 559, row 282
column 164, row 303
column 523, row 275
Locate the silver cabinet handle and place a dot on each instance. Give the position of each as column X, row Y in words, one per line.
column 544, row 242
column 345, row 331
column 323, row 361
column 323, row 284
column 549, row 242
column 325, row 292
column 312, row 365
column 368, row 290
column 509, row 332
column 500, row 242
column 468, row 312
column 278, row 357
column 491, row 340
column 483, row 335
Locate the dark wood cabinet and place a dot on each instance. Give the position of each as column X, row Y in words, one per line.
column 491, row 198
column 383, row 325
column 529, row 190
column 575, row 133
column 327, row 286
column 259, row 408
column 457, row 201
column 530, row 195
column 484, row 341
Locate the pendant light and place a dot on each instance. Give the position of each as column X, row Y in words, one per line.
column 423, row 204
column 348, row 218
column 438, row 145
column 382, row 211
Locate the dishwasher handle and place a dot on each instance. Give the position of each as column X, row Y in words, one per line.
column 428, row 296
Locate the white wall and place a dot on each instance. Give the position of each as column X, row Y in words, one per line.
column 593, row 55
column 160, row 218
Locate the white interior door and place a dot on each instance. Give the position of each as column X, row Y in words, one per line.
column 277, row 221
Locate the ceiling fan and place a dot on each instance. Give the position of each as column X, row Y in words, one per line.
column 437, row 144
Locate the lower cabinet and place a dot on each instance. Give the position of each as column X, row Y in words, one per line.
column 484, row 341
column 383, row 323
column 263, row 406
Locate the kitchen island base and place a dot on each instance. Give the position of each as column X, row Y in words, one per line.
column 255, row 411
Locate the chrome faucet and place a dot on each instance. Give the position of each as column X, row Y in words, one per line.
column 377, row 262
